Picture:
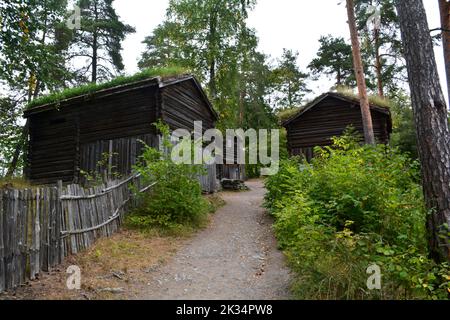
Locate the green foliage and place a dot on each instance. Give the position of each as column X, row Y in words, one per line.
column 100, row 40
column 92, row 88
column 32, row 58
column 289, row 81
column 163, row 47
column 404, row 131
column 10, row 132
column 176, row 198
column 334, row 58
column 104, row 170
column 354, row 206
column 211, row 38
column 381, row 49
column 385, row 44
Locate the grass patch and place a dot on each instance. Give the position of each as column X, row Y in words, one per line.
column 15, row 183
column 137, row 220
column 123, row 261
column 92, row 88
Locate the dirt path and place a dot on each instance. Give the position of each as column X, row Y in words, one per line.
column 235, row 258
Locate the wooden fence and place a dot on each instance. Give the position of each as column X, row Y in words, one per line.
column 122, row 154
column 40, row 227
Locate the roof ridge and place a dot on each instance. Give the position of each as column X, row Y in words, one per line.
column 323, row 96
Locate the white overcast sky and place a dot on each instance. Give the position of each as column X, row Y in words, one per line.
column 291, row 24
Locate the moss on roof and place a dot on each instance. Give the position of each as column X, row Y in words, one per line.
column 375, row 100
column 92, row 88
column 287, row 114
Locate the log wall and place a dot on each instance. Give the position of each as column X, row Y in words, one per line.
column 330, row 118
column 182, row 104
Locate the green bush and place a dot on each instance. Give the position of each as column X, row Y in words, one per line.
column 352, row 207
column 176, row 198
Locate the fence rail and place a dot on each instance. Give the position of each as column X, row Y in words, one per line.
column 40, row 227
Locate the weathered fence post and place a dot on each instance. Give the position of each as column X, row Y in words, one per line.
column 35, row 246
column 2, row 246
column 58, row 218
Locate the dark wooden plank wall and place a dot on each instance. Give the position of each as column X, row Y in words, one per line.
column 123, row 115
column 57, row 136
column 182, row 104
column 60, row 139
column 121, row 154
column 52, row 147
column 317, row 126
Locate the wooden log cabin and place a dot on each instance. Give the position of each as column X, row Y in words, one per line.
column 70, row 137
column 328, row 116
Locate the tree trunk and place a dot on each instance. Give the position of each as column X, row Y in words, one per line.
column 19, row 148
column 360, row 77
column 95, row 49
column 430, row 113
column 94, row 60
column 242, row 96
column 444, row 6
column 339, row 78
column 212, row 49
column 212, row 79
column 378, row 63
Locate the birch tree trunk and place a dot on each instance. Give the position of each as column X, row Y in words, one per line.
column 430, row 113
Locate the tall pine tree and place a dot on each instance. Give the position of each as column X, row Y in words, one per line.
column 334, row 58
column 99, row 41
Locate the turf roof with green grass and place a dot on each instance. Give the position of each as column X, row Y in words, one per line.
column 289, row 115
column 119, row 81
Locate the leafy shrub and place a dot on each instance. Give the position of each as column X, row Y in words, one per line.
column 288, row 181
column 352, row 207
column 403, row 136
column 176, row 198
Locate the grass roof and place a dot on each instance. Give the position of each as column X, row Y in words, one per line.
column 93, row 87
column 375, row 100
column 288, row 113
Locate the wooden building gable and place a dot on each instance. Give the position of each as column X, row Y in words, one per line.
column 71, row 137
column 328, row 116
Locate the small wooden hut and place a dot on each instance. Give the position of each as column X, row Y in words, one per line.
column 70, row 137
column 328, row 116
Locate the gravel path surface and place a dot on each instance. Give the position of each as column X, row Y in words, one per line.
column 234, row 258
